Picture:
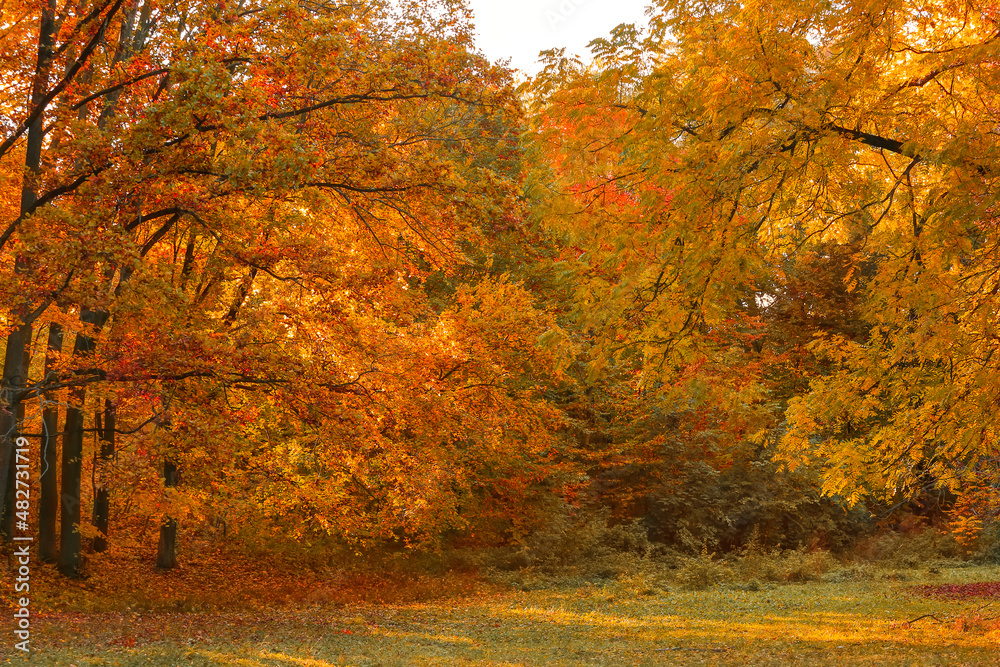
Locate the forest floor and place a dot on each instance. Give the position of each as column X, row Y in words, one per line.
column 255, row 616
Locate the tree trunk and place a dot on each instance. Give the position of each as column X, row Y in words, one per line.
column 15, row 368
column 166, row 551
column 101, row 499
column 48, row 504
column 72, row 459
column 72, row 454
column 15, row 374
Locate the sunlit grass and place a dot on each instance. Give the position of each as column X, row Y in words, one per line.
column 627, row 622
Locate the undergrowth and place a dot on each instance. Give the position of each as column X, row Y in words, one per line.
column 575, row 552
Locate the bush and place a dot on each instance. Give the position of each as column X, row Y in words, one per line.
column 857, row 572
column 587, row 545
column 706, row 490
column 754, row 562
column 701, row 571
column 793, row 565
column 988, row 545
column 802, row 566
column 910, row 551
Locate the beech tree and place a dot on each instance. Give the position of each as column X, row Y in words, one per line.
column 236, row 209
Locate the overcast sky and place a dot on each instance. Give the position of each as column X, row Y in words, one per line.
column 519, row 29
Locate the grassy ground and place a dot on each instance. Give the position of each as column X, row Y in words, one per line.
column 321, row 619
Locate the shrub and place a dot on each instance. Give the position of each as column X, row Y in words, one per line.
column 791, row 565
column 754, row 562
column 910, row 551
column 988, row 545
column 575, row 546
column 700, row 572
column 717, row 494
column 857, row 572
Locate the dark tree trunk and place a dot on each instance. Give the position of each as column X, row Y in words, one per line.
column 15, row 368
column 166, row 552
column 14, row 378
column 72, row 454
column 101, row 499
column 72, row 459
column 48, row 504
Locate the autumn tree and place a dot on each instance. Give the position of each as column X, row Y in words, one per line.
column 741, row 142
column 238, row 208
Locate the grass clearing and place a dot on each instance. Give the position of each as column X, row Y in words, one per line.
column 640, row 619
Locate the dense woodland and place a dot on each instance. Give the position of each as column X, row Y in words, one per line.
column 298, row 274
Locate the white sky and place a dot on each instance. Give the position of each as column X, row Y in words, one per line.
column 519, row 29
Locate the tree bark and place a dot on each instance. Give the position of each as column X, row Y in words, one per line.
column 101, row 497
column 166, row 551
column 72, row 454
column 15, row 369
column 48, row 505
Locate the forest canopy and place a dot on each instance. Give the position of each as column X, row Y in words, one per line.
column 317, row 272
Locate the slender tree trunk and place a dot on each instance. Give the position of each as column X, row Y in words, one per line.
column 15, row 368
column 101, row 499
column 72, row 459
column 166, row 551
column 72, row 454
column 12, row 418
column 48, row 504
